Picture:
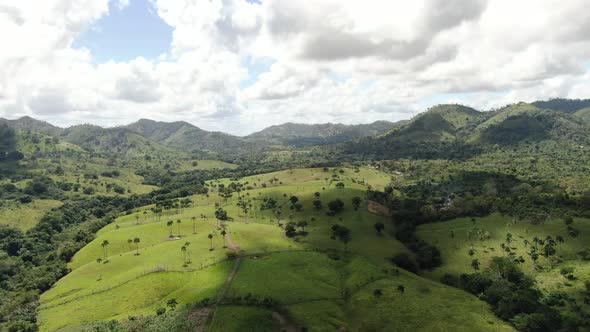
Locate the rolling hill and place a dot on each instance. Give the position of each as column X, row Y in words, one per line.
column 299, row 134
column 185, row 137
column 455, row 131
column 562, row 104
column 30, row 124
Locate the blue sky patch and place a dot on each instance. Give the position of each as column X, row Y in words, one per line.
column 256, row 66
column 125, row 34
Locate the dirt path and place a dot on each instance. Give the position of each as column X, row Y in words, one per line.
column 285, row 324
column 235, row 248
column 231, row 244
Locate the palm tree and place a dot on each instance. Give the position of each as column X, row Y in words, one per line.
column 223, row 233
column 210, row 236
column 188, row 253
column 104, row 246
column 178, row 222
column 136, row 241
column 193, row 218
column 183, row 249
column 99, row 261
column 169, row 224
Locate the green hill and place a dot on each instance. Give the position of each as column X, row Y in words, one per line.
column 312, row 280
column 299, row 134
column 425, row 136
column 30, row 124
column 563, row 105
column 525, row 122
column 191, row 139
column 115, row 141
column 583, row 114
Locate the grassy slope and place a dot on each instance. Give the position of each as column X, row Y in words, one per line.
column 25, row 216
column 456, row 259
column 290, row 277
column 310, row 286
column 204, row 165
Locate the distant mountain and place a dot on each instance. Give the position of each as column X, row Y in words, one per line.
column 564, row 105
column 186, row 137
column 457, row 131
column 298, row 134
column 30, row 124
column 118, row 141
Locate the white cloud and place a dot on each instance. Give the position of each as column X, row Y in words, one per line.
column 334, row 60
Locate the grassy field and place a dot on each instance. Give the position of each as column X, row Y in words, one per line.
column 203, row 164
column 329, row 294
column 319, row 291
column 25, row 216
column 549, row 279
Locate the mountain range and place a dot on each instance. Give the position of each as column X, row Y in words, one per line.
column 441, row 131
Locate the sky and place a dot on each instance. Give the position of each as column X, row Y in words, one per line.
column 241, row 65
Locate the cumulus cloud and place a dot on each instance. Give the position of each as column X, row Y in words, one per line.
column 332, row 60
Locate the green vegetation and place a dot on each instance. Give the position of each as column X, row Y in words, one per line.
column 25, row 216
column 477, row 221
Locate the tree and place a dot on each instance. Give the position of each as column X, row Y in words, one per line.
column 136, row 241
column 302, row 224
column 336, row 206
column 343, row 234
column 223, row 233
column 220, row 215
column 475, row 264
column 210, row 236
column 379, row 227
column 172, row 304
column 170, row 223
column 178, row 222
column 356, row 202
column 129, row 242
column 99, row 261
column 316, row 195
column 104, row 246
column 290, row 230
column 317, row 204
column 187, row 252
column 293, row 200
column 401, row 289
column 340, row 185
column 183, row 250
